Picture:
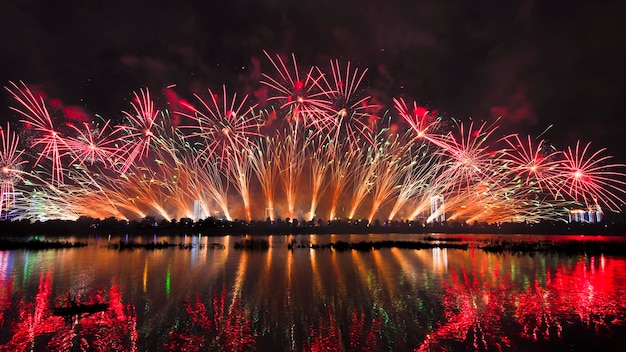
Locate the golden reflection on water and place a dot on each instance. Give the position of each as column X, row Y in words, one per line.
column 387, row 276
column 410, row 271
column 317, row 280
column 440, row 259
column 145, row 276
column 366, row 275
column 241, row 273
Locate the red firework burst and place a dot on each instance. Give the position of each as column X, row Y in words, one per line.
column 137, row 135
column 38, row 118
column 301, row 94
column 353, row 115
column 472, row 162
column 10, row 166
column 536, row 163
column 422, row 122
column 591, row 178
column 91, row 144
column 225, row 125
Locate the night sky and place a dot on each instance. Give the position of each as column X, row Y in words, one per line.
column 535, row 63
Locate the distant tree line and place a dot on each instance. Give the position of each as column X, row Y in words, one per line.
column 214, row 226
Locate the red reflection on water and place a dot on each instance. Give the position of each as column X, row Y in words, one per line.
column 34, row 319
column 6, row 285
column 37, row 329
column 537, row 314
column 224, row 327
column 472, row 312
column 327, row 335
column 590, row 294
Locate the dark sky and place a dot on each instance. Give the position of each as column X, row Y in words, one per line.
column 535, row 63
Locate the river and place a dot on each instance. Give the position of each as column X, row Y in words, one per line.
column 207, row 297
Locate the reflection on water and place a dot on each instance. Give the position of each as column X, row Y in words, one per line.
column 200, row 299
column 34, row 327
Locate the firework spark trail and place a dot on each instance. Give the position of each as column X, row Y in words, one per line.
column 38, row 118
column 340, row 171
column 419, row 175
column 350, row 136
column 95, row 192
column 225, row 126
column 422, row 203
column 82, row 196
column 142, row 188
column 387, row 172
column 150, row 188
column 241, row 172
column 118, row 196
column 187, row 181
column 468, row 159
column 514, row 198
column 291, row 157
column 472, row 168
column 362, row 178
column 173, row 156
column 319, row 162
column 46, row 203
column 212, row 187
column 11, row 165
column 266, row 169
column 228, row 129
column 471, row 162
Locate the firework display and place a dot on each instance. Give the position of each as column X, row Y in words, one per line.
column 317, row 148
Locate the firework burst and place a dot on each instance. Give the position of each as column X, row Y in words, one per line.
column 224, row 126
column 327, row 159
column 91, row 144
column 471, row 162
column 535, row 164
column 137, row 134
column 591, row 178
column 300, row 94
column 37, row 118
column 11, row 164
column 353, row 116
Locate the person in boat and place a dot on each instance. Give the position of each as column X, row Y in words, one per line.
column 71, row 301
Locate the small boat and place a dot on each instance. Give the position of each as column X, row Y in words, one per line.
column 80, row 308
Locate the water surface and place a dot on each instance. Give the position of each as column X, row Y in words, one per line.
column 302, row 299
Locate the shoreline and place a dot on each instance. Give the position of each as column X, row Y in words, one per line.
column 217, row 227
column 495, row 246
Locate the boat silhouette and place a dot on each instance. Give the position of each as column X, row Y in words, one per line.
column 78, row 308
